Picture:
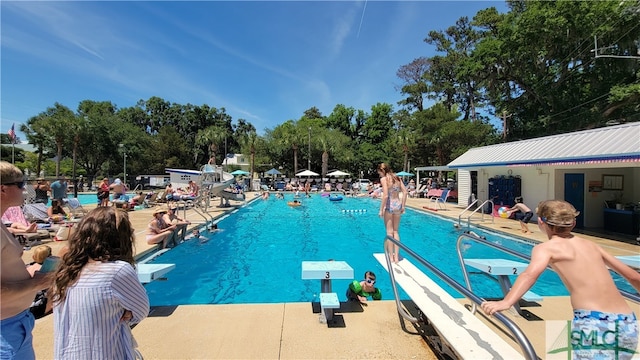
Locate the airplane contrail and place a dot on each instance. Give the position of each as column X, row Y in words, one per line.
column 361, row 18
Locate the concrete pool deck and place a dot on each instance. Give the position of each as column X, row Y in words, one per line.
column 292, row 330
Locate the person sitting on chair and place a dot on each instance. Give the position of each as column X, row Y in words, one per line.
column 19, row 224
column 55, row 211
column 361, row 290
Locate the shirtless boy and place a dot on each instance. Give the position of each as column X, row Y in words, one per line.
column 18, row 287
column 524, row 217
column 582, row 266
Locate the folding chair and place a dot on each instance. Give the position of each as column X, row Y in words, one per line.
column 75, row 207
column 440, row 201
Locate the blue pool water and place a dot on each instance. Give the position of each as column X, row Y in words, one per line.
column 256, row 256
column 92, row 199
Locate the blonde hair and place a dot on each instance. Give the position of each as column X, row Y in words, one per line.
column 40, row 253
column 9, row 173
column 559, row 215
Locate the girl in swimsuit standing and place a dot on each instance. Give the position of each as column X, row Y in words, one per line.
column 392, row 206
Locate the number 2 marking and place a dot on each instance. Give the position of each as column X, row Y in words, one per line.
column 515, row 271
column 489, row 271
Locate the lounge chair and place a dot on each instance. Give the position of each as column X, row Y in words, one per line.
column 74, row 206
column 15, row 214
column 36, row 212
column 158, row 199
column 151, row 200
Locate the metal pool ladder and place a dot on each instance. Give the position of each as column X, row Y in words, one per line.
column 475, row 211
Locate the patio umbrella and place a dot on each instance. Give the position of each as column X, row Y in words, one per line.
column 338, row 173
column 307, row 173
column 273, row 171
column 404, row 173
column 240, row 172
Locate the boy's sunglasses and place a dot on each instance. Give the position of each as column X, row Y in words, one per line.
column 370, row 281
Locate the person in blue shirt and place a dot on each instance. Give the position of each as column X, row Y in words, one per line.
column 361, row 290
column 59, row 189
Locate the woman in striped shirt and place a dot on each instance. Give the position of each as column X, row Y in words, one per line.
column 96, row 294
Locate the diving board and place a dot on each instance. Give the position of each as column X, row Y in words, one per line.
column 149, row 272
column 469, row 337
column 631, row 260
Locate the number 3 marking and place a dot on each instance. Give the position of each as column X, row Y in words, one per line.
column 327, row 275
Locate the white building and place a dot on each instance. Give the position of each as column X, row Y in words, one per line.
column 595, row 170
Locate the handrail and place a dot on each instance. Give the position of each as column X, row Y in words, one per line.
column 527, row 349
column 476, row 210
column 136, row 188
column 465, row 209
column 475, row 237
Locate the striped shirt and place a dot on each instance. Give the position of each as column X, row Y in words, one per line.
column 87, row 323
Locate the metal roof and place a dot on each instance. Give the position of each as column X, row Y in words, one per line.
column 620, row 143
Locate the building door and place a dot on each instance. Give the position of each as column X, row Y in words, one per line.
column 574, row 194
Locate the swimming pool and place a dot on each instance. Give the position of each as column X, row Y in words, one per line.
column 92, row 198
column 256, row 256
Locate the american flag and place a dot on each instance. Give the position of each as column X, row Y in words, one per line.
column 12, row 133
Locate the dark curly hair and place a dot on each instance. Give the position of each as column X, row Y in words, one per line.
column 104, row 234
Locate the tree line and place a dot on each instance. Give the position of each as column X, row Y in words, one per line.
column 534, row 67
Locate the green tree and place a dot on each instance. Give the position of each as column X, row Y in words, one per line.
column 55, row 122
column 212, row 137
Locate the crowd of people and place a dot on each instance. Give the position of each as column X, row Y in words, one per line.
column 91, row 287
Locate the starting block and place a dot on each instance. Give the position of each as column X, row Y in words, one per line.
column 149, row 272
column 328, row 302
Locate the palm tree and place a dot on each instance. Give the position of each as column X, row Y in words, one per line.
column 330, row 141
column 249, row 141
column 291, row 136
column 211, row 136
column 35, row 134
column 56, row 122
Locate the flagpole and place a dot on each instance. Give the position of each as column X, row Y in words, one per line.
column 12, row 136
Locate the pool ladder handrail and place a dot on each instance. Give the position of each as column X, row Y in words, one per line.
column 473, row 236
column 474, row 211
column 519, row 336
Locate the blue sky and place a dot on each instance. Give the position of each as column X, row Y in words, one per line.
column 265, row 62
